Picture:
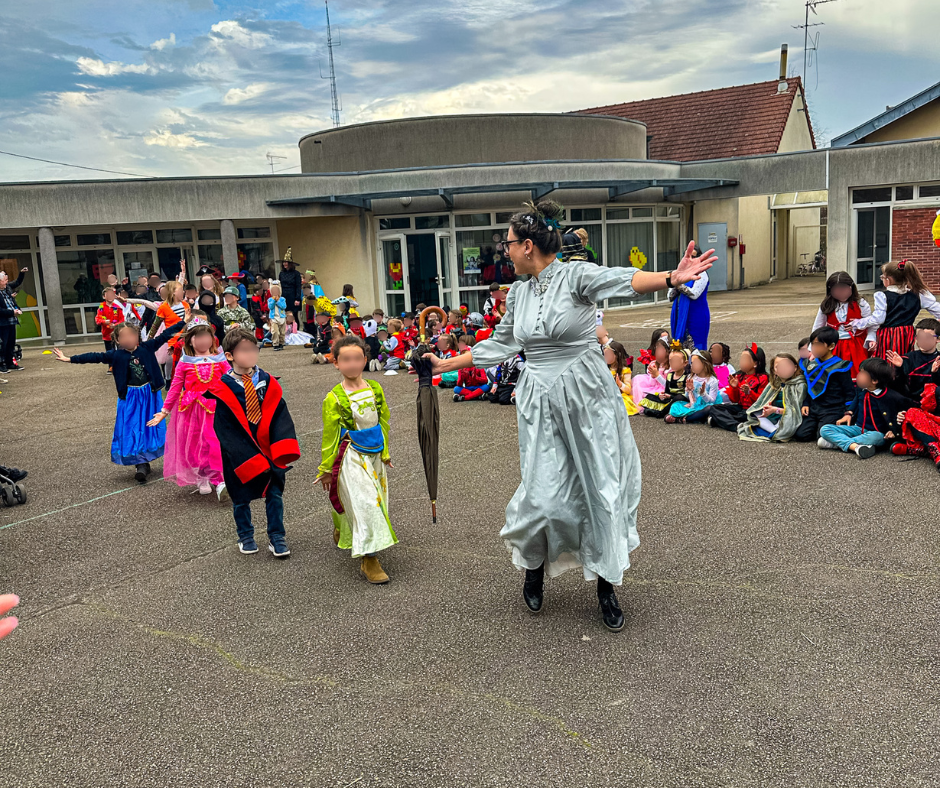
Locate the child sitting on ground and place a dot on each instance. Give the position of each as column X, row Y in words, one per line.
column 829, row 386
column 292, row 333
column 257, row 439
column 805, row 354
column 658, row 354
column 776, row 415
column 471, row 382
column 620, row 364
column 872, row 418
column 914, row 370
column 721, row 357
column 920, row 427
column 702, row 390
column 395, row 345
column 744, row 387
column 447, row 348
column 507, row 376
column 454, row 323
column 354, row 460
column 656, row 404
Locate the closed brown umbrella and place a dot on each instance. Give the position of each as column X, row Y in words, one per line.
column 429, row 413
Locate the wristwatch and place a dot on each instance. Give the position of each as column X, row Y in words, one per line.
column 669, row 283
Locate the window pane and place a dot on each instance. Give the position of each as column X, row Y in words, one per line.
column 174, row 236
column 73, row 321
column 630, row 244
column 618, row 213
column 62, row 240
column 865, row 239
column 81, row 275
column 642, row 213
column 395, row 305
column 481, row 260
column 134, row 237
column 209, row 235
column 12, row 263
column 585, row 214
column 137, row 264
column 504, row 217
column 14, row 242
column 211, row 254
column 444, row 251
column 871, row 195
column 904, row 193
column 930, row 191
column 254, row 232
column 394, row 272
column 595, row 242
column 472, row 220
column 259, row 258
column 395, row 223
column 474, row 299
column 94, row 239
column 667, row 246
column 431, row 222
column 671, row 211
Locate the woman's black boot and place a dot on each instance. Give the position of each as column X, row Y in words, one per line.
column 533, row 588
column 610, row 608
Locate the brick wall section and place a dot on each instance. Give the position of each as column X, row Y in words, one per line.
column 911, row 239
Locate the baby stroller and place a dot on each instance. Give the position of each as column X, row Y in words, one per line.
column 12, row 493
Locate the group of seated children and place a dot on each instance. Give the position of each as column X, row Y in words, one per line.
column 854, row 403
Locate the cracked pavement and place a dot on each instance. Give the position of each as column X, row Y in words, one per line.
column 781, row 611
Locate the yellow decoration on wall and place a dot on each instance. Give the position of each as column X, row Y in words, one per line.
column 936, row 229
column 637, row 258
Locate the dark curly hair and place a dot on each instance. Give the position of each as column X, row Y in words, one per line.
column 540, row 223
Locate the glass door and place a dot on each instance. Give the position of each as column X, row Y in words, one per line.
column 395, row 276
column 872, row 244
column 444, row 280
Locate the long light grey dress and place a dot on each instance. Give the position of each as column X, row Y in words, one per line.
column 577, row 503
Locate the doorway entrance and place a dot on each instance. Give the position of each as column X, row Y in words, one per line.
column 416, row 270
column 872, row 244
column 715, row 236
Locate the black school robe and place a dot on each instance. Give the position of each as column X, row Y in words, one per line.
column 254, row 456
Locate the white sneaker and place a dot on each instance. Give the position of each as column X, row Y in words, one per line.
column 822, row 443
column 390, row 372
column 204, row 487
column 222, row 492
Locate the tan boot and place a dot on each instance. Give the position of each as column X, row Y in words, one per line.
column 373, row 571
column 336, row 536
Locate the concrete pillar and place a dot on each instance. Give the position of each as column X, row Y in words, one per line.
column 55, row 317
column 229, row 247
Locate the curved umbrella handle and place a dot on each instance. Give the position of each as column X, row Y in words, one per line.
column 422, row 319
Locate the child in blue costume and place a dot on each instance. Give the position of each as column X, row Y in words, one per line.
column 829, row 387
column 691, row 318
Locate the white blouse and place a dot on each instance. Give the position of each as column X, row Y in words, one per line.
column 927, row 301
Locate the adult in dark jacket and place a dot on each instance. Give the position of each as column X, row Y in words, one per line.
column 291, row 287
column 9, row 319
column 138, row 379
column 207, row 303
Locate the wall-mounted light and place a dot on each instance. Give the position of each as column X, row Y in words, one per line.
column 405, row 201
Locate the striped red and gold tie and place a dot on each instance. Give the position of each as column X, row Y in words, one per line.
column 252, row 405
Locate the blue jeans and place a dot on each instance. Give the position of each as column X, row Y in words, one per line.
column 274, row 508
column 844, row 435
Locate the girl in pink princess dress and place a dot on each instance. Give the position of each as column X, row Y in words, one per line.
column 656, row 359
column 192, row 451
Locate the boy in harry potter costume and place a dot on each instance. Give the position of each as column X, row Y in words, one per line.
column 257, row 438
column 829, row 386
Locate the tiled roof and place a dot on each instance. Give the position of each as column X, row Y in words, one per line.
column 745, row 120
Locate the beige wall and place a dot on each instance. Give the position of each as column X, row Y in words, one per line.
column 339, row 249
column 796, row 135
column 755, row 226
column 922, row 122
column 802, row 240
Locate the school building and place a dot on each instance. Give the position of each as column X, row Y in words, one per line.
column 416, row 210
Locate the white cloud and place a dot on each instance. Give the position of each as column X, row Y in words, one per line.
column 163, row 43
column 233, row 31
column 238, row 95
column 167, row 139
column 98, row 68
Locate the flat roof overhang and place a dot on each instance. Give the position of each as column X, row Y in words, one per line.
column 538, row 190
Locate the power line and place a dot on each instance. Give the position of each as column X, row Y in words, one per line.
column 76, row 166
column 284, row 169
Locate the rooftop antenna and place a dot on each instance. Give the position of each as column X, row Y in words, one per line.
column 272, row 158
column 810, row 6
column 330, row 43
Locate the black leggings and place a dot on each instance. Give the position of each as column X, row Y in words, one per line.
column 7, row 345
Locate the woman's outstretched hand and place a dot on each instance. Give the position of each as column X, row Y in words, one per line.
column 691, row 268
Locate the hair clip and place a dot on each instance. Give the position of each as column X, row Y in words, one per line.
column 754, row 348
column 901, row 265
column 675, row 344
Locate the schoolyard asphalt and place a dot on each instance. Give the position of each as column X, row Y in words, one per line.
column 781, row 611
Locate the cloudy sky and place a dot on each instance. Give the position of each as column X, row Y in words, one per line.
column 208, row 87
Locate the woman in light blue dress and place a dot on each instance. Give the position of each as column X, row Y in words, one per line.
column 577, row 503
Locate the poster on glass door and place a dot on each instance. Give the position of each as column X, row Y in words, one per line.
column 471, row 259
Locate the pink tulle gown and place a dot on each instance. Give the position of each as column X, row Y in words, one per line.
column 192, row 449
column 645, row 384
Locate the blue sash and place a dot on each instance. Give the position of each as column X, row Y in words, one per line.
column 815, row 384
column 370, row 441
